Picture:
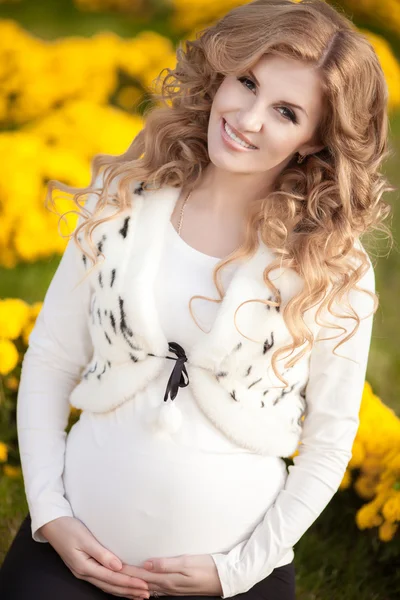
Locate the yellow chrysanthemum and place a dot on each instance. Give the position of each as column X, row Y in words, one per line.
column 346, row 481
column 11, row 383
column 13, row 315
column 12, row 472
column 387, row 531
column 367, row 516
column 391, row 508
column 8, row 357
column 3, row 452
column 371, row 465
column 358, row 455
column 365, row 486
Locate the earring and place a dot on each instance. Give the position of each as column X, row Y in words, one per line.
column 301, row 158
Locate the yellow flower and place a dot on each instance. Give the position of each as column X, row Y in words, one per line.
column 13, row 314
column 391, row 508
column 13, row 472
column 367, row 516
column 346, row 481
column 358, row 455
column 387, row 531
column 11, row 383
column 394, row 461
column 8, row 357
column 3, row 452
column 365, row 486
column 372, row 465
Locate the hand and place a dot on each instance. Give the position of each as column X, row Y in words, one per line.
column 184, row 575
column 89, row 560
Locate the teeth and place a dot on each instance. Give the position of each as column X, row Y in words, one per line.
column 235, row 137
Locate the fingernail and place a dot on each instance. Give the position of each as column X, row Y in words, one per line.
column 148, row 564
column 114, row 564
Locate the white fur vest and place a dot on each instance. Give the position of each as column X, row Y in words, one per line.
column 231, row 376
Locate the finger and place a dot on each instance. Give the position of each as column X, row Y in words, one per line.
column 94, row 569
column 173, row 564
column 115, row 589
column 101, row 554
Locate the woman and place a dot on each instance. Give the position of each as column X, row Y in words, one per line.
column 265, row 160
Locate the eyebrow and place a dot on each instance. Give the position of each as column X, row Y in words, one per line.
column 280, row 101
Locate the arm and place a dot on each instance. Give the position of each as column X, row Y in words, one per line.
column 59, row 346
column 334, row 392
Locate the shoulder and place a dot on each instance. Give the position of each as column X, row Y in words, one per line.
column 97, row 187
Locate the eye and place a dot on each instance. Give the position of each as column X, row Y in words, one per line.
column 241, row 79
column 291, row 115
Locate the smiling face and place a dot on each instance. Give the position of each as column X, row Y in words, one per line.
column 259, row 105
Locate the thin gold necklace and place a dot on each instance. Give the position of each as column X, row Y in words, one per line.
column 181, row 220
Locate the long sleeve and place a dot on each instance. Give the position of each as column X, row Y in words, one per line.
column 333, row 394
column 59, row 346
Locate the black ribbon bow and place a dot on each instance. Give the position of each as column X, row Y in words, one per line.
column 176, row 379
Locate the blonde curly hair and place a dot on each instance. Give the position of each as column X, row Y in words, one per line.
column 317, row 211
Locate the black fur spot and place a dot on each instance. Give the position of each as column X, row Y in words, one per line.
column 100, row 374
column 124, row 229
column 262, row 403
column 84, row 258
column 233, row 394
column 133, row 357
column 238, row 346
column 221, row 374
column 100, row 278
column 122, row 323
column 109, row 363
column 254, row 383
column 86, row 375
column 125, row 330
column 112, row 277
column 139, row 189
column 112, row 319
column 283, row 393
column 107, row 338
column 99, row 315
column 272, row 299
column 268, row 345
column 248, row 370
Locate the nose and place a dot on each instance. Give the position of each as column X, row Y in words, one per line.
column 251, row 118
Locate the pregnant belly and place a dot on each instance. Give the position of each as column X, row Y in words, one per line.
column 142, row 496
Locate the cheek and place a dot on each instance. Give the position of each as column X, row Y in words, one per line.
column 226, row 97
column 282, row 137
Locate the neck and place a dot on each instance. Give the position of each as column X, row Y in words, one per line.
column 222, row 192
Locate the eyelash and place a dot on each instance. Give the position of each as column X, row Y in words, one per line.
column 292, row 115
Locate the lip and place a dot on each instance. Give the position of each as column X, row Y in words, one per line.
column 232, row 144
